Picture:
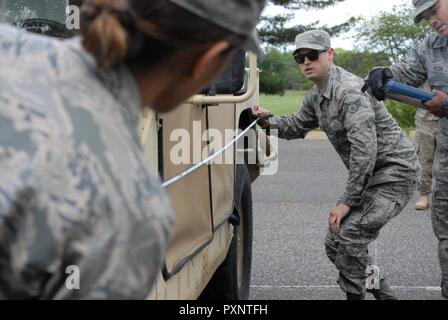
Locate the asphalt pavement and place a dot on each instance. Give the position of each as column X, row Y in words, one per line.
column 290, row 222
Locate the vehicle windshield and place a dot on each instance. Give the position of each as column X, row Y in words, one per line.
column 42, row 16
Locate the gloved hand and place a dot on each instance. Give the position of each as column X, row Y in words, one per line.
column 376, row 81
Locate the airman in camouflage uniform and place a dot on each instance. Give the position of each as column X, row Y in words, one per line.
column 74, row 188
column 428, row 61
column 382, row 162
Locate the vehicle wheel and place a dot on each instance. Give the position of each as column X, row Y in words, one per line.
column 231, row 280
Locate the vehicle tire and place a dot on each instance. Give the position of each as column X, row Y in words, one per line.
column 231, row 280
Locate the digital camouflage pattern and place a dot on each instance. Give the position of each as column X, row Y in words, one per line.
column 426, row 125
column 427, row 61
column 313, row 39
column 74, row 188
column 378, row 155
column 348, row 250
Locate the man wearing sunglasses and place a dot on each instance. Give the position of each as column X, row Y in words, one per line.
column 428, row 61
column 382, row 162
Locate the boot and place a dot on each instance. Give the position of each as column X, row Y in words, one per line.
column 422, row 203
column 384, row 292
column 352, row 296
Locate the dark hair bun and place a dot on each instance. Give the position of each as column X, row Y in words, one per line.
column 105, row 35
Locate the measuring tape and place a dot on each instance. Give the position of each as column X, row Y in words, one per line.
column 206, row 161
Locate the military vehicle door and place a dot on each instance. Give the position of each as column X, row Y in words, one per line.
column 204, row 199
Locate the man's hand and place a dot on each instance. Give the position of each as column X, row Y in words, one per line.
column 376, row 81
column 437, row 105
column 336, row 216
column 258, row 111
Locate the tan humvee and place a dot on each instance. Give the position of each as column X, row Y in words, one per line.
column 211, row 245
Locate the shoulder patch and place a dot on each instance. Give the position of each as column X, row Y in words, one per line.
column 354, row 106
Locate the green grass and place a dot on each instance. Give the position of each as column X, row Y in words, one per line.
column 282, row 105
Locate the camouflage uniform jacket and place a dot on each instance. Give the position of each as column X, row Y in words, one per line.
column 74, row 188
column 427, row 61
column 369, row 141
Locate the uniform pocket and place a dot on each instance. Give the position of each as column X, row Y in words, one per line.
column 379, row 212
column 439, row 217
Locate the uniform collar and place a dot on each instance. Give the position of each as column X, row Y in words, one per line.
column 440, row 42
column 325, row 92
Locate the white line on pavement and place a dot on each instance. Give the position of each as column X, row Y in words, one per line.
column 410, row 288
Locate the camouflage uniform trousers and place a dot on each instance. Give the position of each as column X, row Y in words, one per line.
column 439, row 215
column 348, row 250
column 425, row 141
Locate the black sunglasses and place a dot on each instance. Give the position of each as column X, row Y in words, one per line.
column 312, row 56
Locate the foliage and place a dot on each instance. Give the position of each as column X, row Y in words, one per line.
column 280, row 73
column 275, row 32
column 403, row 113
column 305, row 4
column 271, row 80
column 360, row 63
column 391, row 32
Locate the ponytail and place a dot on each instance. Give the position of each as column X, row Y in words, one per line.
column 105, row 35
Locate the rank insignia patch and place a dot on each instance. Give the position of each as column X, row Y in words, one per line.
column 355, row 106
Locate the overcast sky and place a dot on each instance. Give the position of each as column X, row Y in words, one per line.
column 339, row 14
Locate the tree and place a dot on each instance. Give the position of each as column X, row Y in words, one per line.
column 304, row 4
column 280, row 72
column 273, row 30
column 359, row 63
column 391, row 32
column 271, row 79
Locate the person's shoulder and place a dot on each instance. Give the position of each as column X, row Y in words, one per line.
column 27, row 52
column 9, row 39
column 311, row 97
column 8, row 32
column 346, row 84
column 346, row 78
column 434, row 40
column 21, row 41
